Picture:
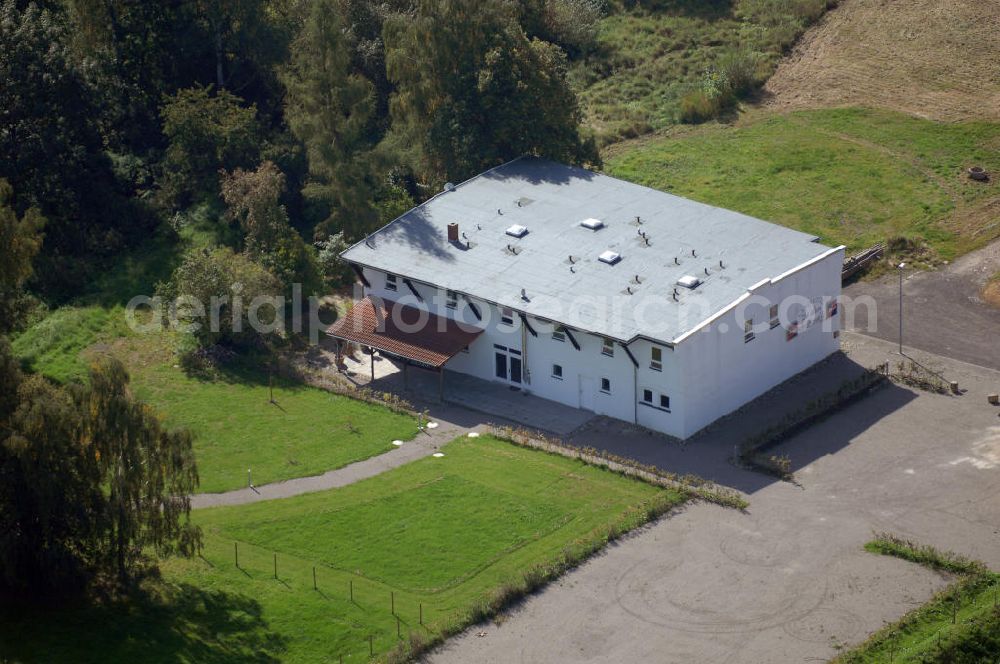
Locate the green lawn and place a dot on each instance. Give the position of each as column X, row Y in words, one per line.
column 306, row 432
column 442, row 532
column 850, row 176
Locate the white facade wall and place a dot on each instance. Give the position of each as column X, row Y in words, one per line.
column 708, row 373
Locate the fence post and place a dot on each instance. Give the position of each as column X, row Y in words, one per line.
column 392, row 601
column 352, row 589
column 236, row 552
column 371, row 645
column 276, row 566
column 421, row 613
column 398, row 634
column 314, row 578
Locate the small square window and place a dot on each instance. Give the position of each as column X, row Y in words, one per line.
column 451, row 299
column 390, row 282
column 793, row 331
column 647, row 396
column 774, row 316
column 656, row 359
column 609, row 347
column 506, row 315
column 559, row 334
column 606, row 385
column 557, row 371
column 664, row 402
column 748, row 334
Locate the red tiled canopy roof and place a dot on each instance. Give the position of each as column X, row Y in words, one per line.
column 377, row 323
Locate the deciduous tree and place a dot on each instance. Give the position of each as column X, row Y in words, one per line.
column 474, row 91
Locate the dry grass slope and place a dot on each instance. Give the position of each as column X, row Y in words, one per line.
column 935, row 59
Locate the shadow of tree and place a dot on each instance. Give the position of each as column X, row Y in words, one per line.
column 166, row 623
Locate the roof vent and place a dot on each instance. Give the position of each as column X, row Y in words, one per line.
column 517, row 230
column 449, row 186
column 688, row 281
column 592, row 224
column 609, row 257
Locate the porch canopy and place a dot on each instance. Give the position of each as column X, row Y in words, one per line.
column 403, row 331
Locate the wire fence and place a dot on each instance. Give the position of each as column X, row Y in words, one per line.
column 407, row 618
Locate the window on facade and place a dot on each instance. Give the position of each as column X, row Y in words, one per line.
column 506, row 315
column 748, row 335
column 793, row 331
column 774, row 316
column 609, row 347
column 557, row 371
column 606, row 385
column 656, row 359
column 647, row 396
column 451, row 299
column 831, row 309
column 390, row 282
column 559, row 334
column 664, row 402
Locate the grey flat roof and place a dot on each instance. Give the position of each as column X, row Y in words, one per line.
column 551, row 200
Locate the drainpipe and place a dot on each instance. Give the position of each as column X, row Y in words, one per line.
column 635, row 394
column 525, row 371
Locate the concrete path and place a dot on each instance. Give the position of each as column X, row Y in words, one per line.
column 423, row 445
column 942, row 311
column 788, row 581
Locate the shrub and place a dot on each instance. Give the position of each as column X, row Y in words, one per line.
column 741, row 70
column 697, row 106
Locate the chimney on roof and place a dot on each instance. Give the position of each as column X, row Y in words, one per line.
column 452, row 232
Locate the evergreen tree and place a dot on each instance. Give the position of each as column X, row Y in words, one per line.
column 329, row 108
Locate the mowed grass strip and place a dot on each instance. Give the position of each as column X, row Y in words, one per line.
column 850, row 176
column 441, row 533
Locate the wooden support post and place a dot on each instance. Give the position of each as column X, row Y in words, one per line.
column 372, row 355
column 441, row 384
column 406, row 375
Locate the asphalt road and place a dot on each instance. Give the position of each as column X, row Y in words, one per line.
column 788, row 581
column 942, row 312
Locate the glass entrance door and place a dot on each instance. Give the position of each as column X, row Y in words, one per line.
column 507, row 364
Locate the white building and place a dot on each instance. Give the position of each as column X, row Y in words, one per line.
column 598, row 294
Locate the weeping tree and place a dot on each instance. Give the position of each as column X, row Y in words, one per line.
column 90, row 482
column 149, row 472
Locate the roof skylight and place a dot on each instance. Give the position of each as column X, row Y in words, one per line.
column 517, row 230
column 609, row 257
column 592, row 224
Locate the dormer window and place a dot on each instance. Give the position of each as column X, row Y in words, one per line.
column 506, row 315
column 608, row 347
column 451, row 299
column 390, row 282
column 559, row 334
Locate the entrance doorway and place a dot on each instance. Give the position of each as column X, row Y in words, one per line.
column 507, row 364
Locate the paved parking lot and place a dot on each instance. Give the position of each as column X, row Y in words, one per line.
column 787, row 581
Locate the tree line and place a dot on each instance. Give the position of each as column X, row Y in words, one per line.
column 121, row 119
